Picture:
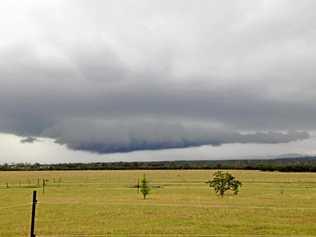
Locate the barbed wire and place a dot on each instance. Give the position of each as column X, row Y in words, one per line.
column 170, row 235
column 15, row 206
column 178, row 205
column 200, row 205
column 160, row 204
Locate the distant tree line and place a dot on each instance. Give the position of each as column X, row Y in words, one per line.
column 301, row 164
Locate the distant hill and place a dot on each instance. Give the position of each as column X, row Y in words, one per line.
column 284, row 164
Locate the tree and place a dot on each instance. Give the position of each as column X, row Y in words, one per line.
column 222, row 182
column 144, row 187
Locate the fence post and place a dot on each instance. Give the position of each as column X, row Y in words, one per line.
column 44, row 183
column 33, row 214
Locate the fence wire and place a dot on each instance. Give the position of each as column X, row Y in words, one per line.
column 16, row 206
column 170, row 235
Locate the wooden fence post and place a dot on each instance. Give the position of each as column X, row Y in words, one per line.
column 33, row 214
column 44, row 184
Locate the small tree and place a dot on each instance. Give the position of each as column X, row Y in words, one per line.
column 144, row 187
column 221, row 182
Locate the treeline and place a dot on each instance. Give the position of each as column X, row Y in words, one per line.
column 301, row 164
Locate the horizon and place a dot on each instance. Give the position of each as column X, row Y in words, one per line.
column 137, row 80
column 45, row 152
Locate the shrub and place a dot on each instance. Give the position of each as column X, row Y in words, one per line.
column 144, row 187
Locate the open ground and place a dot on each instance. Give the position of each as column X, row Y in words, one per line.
column 104, row 203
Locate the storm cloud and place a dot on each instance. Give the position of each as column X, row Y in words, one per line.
column 125, row 136
column 119, row 76
column 29, row 140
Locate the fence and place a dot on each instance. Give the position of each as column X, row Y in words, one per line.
column 33, row 233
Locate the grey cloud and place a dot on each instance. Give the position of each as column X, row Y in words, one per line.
column 110, row 136
column 168, row 76
column 29, row 140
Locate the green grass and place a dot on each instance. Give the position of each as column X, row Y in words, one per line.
column 101, row 203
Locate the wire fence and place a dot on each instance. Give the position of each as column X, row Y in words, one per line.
column 171, row 235
column 15, row 206
column 39, row 234
column 158, row 205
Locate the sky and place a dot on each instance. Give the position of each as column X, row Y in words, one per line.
column 156, row 80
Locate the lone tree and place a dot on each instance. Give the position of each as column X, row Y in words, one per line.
column 222, row 182
column 144, row 187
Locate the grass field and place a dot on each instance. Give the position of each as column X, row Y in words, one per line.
column 102, row 203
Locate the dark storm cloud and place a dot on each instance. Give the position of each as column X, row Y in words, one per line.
column 29, row 140
column 124, row 136
column 104, row 78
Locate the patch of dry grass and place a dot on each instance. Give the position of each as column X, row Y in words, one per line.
column 101, row 203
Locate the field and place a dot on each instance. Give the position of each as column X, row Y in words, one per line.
column 103, row 203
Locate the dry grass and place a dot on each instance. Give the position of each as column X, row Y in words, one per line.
column 101, row 203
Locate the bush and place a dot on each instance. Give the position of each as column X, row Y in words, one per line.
column 144, row 187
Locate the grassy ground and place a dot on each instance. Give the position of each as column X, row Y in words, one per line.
column 101, row 203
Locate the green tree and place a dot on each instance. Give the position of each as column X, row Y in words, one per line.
column 222, row 182
column 144, row 187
